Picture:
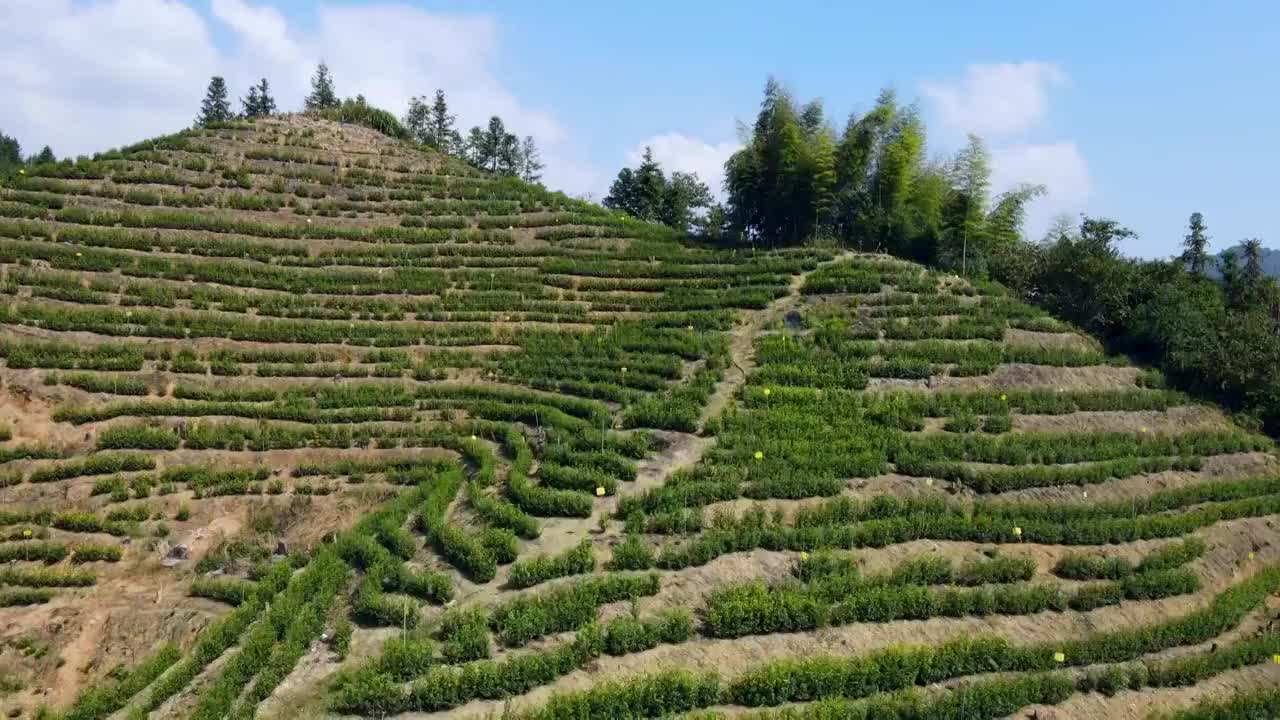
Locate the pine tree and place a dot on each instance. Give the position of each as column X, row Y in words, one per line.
column 1232, row 280
column 322, row 94
column 215, row 107
column 1252, row 277
column 510, row 155
column 495, row 149
column 1195, row 254
column 651, row 186
column 249, row 104
column 418, row 120
column 44, row 156
column 266, row 103
column 532, row 161
column 475, row 147
column 10, row 153
column 442, row 134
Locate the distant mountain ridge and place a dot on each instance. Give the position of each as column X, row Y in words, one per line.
column 1270, row 260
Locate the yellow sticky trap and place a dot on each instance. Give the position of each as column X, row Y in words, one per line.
column 689, row 328
column 804, row 556
column 928, row 481
column 1086, row 493
column 26, row 533
column 599, row 491
column 473, row 437
column 759, row 455
column 1017, row 531
column 1144, row 429
column 1060, row 657
column 1003, row 397
column 624, row 369
column 767, row 391
column 1275, row 659
column 1250, row 555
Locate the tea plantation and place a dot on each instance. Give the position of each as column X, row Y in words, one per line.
column 302, row 421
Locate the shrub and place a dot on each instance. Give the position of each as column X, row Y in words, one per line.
column 137, row 437
column 626, row 634
column 659, row 695
column 500, row 513
column 231, row 591
column 528, row 617
column 575, row 561
column 464, row 635
column 501, row 543
column 633, row 553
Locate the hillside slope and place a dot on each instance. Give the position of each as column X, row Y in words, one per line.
column 300, row 420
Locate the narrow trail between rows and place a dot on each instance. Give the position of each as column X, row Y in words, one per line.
column 683, row 450
column 742, row 347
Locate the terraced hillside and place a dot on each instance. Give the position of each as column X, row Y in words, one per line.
column 301, row 421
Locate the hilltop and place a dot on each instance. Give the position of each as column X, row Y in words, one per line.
column 302, row 420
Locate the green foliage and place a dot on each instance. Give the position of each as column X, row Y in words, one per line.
column 901, row 667
column 93, row 465
column 648, row 194
column 104, row 698
column 578, row 560
column 137, row 437
column 464, row 635
column 232, row 591
column 215, row 107
column 658, row 695
column 357, row 112
column 564, row 607
column 322, row 95
column 633, row 553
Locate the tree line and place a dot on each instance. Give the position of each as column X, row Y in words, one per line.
column 11, row 159
column 1218, row 338
column 871, row 186
column 491, row 148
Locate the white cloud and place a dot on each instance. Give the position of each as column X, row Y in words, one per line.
column 677, row 152
column 996, row 100
column 1006, row 104
column 1059, row 166
column 83, row 77
column 263, row 31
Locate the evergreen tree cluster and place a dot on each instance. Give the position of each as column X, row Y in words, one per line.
column 495, row 149
column 216, row 106
column 648, row 194
column 259, row 102
column 491, row 148
column 11, row 159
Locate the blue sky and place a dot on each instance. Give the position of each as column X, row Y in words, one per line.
column 1143, row 112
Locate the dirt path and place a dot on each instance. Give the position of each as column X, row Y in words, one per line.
column 682, row 450
column 742, row 349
